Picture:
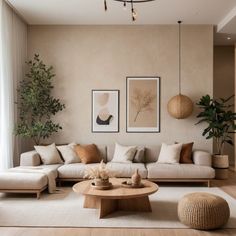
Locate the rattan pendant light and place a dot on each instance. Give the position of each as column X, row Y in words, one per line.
column 180, row 106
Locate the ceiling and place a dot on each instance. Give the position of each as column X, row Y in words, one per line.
column 221, row 13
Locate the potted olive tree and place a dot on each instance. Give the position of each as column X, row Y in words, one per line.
column 36, row 104
column 220, row 120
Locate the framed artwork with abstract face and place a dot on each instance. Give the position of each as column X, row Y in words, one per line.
column 143, row 104
column 105, row 111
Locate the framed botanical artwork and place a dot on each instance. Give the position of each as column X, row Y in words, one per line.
column 143, row 104
column 105, row 111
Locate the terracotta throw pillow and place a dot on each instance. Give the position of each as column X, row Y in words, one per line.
column 88, row 153
column 186, row 153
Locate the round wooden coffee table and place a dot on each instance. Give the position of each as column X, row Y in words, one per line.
column 117, row 198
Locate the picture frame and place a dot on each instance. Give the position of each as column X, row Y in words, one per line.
column 105, row 111
column 143, row 104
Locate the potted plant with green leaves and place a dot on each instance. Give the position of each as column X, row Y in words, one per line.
column 220, row 120
column 36, row 104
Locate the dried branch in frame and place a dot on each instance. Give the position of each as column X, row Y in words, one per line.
column 142, row 101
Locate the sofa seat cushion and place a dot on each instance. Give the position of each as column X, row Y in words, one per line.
column 179, row 171
column 126, row 170
column 74, row 170
column 22, row 181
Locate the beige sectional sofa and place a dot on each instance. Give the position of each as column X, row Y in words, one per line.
column 200, row 171
column 34, row 177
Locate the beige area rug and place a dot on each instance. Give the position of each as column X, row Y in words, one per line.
column 65, row 209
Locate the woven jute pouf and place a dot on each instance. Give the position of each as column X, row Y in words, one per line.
column 203, row 211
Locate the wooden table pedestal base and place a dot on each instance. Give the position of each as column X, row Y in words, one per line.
column 107, row 206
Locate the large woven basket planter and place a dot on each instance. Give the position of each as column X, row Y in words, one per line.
column 203, row 211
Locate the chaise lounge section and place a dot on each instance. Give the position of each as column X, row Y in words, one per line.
column 16, row 182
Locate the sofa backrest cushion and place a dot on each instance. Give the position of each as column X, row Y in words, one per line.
column 152, row 153
column 103, row 151
column 139, row 155
column 202, row 158
column 110, row 152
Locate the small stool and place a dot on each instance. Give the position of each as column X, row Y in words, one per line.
column 203, row 211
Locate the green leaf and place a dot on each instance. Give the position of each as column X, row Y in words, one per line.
column 218, row 116
column 229, row 142
column 37, row 105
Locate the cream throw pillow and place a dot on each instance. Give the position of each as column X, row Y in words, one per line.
column 68, row 153
column 124, row 154
column 170, row 154
column 49, row 154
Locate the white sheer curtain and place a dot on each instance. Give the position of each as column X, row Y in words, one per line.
column 13, row 36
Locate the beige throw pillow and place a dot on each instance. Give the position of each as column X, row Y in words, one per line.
column 124, row 154
column 170, row 154
column 139, row 156
column 49, row 154
column 68, row 153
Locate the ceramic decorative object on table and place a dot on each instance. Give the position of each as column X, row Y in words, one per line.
column 128, row 184
column 101, row 182
column 102, row 186
column 100, row 175
column 136, row 179
column 134, row 182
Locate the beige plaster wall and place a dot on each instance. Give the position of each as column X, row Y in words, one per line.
column 100, row 57
column 224, row 74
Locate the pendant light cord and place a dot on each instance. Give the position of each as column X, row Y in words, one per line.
column 132, row 10
column 179, row 22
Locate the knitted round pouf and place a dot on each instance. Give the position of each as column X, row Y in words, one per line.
column 203, row 211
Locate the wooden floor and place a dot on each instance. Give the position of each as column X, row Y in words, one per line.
column 229, row 186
